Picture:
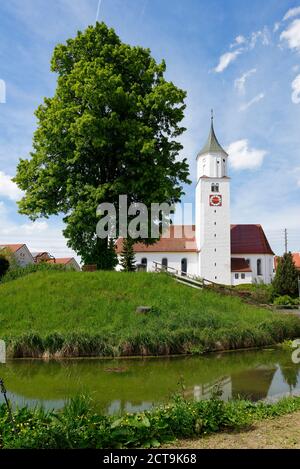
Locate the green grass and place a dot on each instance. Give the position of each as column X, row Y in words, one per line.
column 78, row 426
column 80, row 314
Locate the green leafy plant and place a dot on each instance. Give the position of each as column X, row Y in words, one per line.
column 78, row 426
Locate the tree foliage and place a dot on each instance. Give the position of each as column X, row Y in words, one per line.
column 286, row 278
column 111, row 128
column 128, row 256
column 103, row 254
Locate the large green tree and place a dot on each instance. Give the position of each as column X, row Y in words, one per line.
column 111, row 128
column 286, row 278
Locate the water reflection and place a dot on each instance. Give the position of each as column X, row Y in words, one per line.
column 136, row 384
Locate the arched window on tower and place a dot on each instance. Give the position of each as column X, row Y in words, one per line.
column 215, row 187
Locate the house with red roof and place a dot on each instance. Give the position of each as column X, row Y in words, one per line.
column 68, row 262
column 213, row 248
column 24, row 257
column 20, row 252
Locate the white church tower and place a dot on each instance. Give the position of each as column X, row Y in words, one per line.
column 213, row 211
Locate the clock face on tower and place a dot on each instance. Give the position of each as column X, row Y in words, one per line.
column 215, row 200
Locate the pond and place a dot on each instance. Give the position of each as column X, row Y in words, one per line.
column 135, row 384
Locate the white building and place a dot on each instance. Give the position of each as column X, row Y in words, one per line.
column 20, row 253
column 213, row 249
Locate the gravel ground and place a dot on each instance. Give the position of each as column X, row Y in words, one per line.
column 282, row 432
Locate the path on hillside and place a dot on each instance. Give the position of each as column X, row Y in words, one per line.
column 282, row 432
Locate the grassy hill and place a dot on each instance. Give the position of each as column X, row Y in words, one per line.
column 82, row 314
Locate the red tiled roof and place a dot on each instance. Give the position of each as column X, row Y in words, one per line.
column 296, row 259
column 60, row 260
column 249, row 239
column 177, row 238
column 245, row 239
column 239, row 264
column 12, row 247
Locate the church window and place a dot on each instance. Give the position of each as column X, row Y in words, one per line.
column 224, row 160
column 215, row 187
column 215, row 264
column 248, row 262
column 236, row 276
column 144, row 262
column 164, row 263
column 243, row 276
column 183, row 266
column 215, row 222
column 215, row 249
column 259, row 271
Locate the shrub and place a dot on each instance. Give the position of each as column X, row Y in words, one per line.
column 286, row 278
column 19, row 272
column 286, row 300
column 4, row 265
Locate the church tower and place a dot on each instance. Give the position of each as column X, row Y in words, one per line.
column 213, row 211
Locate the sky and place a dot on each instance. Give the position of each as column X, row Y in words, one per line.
column 238, row 57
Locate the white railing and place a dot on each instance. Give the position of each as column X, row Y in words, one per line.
column 158, row 267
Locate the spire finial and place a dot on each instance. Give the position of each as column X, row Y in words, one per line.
column 212, row 116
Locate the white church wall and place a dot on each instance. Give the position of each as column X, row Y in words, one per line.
column 174, row 260
column 267, row 262
column 243, row 278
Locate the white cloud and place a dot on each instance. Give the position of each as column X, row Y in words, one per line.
column 296, row 90
column 39, row 236
column 262, row 35
column 8, row 188
column 239, row 40
column 240, row 83
column 226, row 59
column 241, row 156
column 250, row 103
column 276, row 27
column 291, row 13
column 294, row 171
column 292, row 35
column 247, row 44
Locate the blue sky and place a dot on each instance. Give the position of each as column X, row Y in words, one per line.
column 241, row 58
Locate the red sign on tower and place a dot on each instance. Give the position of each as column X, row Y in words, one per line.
column 215, row 200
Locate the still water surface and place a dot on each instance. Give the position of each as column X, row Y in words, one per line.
column 136, row 384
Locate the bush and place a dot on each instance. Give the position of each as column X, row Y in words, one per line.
column 4, row 265
column 19, row 272
column 286, row 300
column 286, row 278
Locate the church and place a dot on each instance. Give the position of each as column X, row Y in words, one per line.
column 213, row 248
